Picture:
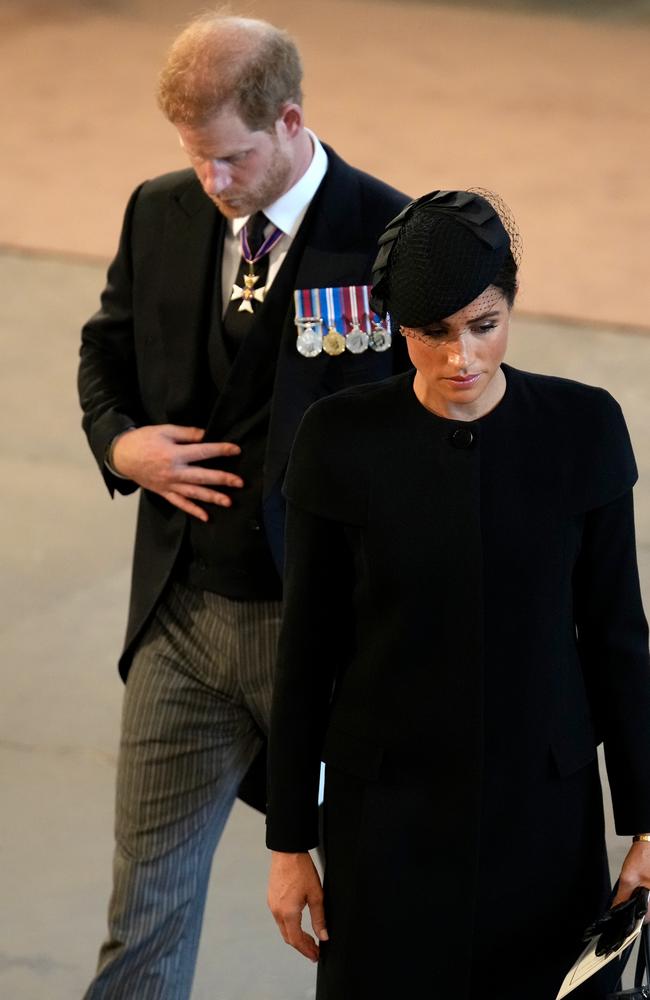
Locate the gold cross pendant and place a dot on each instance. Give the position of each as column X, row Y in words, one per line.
column 249, row 294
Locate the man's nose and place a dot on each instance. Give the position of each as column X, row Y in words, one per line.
column 215, row 177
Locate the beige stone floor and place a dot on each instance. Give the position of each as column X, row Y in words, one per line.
column 550, row 111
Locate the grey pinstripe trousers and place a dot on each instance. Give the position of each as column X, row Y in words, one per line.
column 197, row 700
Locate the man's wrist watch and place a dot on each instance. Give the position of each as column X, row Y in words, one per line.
column 643, row 838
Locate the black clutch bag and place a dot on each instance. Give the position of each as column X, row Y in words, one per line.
column 641, row 988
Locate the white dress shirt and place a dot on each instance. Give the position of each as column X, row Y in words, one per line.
column 286, row 213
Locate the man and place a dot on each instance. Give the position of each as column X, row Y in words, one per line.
column 193, row 382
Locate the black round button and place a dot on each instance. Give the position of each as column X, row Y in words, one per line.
column 462, row 437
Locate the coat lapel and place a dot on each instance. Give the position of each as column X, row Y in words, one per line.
column 330, row 257
column 220, row 363
column 190, row 259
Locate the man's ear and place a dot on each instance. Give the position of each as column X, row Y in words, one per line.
column 290, row 120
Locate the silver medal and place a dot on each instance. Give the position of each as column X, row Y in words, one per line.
column 380, row 339
column 357, row 340
column 309, row 342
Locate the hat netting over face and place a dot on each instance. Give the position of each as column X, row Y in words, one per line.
column 440, row 254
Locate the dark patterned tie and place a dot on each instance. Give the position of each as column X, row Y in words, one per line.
column 237, row 321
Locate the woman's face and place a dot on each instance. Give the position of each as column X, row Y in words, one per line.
column 458, row 358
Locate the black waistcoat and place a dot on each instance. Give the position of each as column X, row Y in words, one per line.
column 229, row 554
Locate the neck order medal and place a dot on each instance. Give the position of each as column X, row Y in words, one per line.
column 249, row 294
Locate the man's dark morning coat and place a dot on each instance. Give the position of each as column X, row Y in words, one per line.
column 144, row 354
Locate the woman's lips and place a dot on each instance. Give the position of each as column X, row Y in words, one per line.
column 464, row 381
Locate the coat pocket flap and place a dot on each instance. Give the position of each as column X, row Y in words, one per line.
column 574, row 747
column 352, row 754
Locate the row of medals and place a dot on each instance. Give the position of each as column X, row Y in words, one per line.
column 311, row 341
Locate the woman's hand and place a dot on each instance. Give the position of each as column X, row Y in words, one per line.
column 294, row 884
column 635, row 871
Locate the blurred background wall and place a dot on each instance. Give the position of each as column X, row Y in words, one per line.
column 546, row 103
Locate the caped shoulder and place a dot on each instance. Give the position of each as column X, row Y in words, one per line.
column 326, row 474
column 376, row 394
column 580, row 427
column 564, row 403
column 555, row 391
column 358, row 403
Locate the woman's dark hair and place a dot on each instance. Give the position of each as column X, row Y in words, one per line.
column 506, row 279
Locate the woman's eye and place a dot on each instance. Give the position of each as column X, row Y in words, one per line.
column 485, row 327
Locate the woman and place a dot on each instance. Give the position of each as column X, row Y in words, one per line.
column 463, row 626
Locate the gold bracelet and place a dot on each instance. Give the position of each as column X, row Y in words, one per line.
column 643, row 837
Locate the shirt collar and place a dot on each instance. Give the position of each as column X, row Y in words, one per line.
column 288, row 210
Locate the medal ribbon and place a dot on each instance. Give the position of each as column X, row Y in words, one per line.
column 361, row 295
column 366, row 306
column 333, row 308
column 357, row 308
column 306, row 305
column 373, row 316
column 265, row 248
column 349, row 306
